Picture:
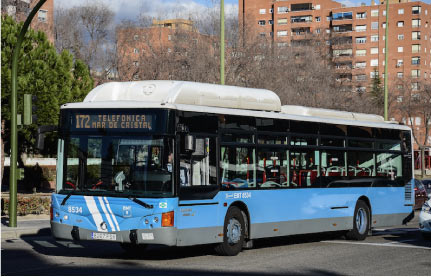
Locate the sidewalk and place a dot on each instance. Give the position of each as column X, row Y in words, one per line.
column 29, row 225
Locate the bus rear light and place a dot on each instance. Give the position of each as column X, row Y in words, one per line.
column 51, row 213
column 168, row 219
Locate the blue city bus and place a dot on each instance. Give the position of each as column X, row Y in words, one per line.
column 182, row 163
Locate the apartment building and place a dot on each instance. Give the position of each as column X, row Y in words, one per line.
column 164, row 41
column 20, row 9
column 355, row 36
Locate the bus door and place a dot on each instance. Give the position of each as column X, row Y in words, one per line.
column 198, row 208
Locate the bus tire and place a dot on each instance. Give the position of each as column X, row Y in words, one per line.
column 233, row 233
column 361, row 222
column 132, row 248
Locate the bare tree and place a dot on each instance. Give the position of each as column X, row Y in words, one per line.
column 85, row 31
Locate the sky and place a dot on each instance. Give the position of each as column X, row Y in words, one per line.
column 164, row 9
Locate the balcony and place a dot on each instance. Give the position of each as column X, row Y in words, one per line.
column 301, row 19
column 301, row 7
column 342, row 28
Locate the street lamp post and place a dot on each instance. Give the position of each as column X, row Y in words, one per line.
column 222, row 42
column 13, row 121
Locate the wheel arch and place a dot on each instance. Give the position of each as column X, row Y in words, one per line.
column 367, row 201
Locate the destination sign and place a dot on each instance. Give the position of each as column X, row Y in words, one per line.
column 113, row 121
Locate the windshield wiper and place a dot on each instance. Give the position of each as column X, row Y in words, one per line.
column 142, row 203
column 66, row 198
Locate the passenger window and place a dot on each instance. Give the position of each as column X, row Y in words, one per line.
column 389, row 165
column 361, row 164
column 333, row 163
column 305, row 168
column 272, row 168
column 237, row 167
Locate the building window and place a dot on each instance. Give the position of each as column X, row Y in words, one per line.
column 135, row 37
column 318, row 31
column 361, row 89
column 400, row 74
column 416, row 9
column 360, row 64
column 282, row 21
column 136, row 50
column 136, row 63
column 374, row 38
column 415, row 86
column 282, row 44
column 374, row 25
column 317, row 7
column 361, row 28
column 328, row 18
column 416, row 60
column 361, row 53
column 416, row 73
column 282, row 34
column 399, row 63
column 399, row 99
column 400, row 49
column 342, row 16
column 261, row 22
column 384, row 25
column 282, row 9
column 169, row 37
column 262, row 11
column 271, row 10
column 375, row 13
column 384, row 13
column 416, row 23
column 400, row 23
column 361, row 40
column 400, row 11
column 361, row 15
column 374, row 74
column 416, row 48
column 374, row 50
column 317, row 18
column 374, row 62
column 361, row 77
column 42, row 16
column 400, row 36
column 416, row 35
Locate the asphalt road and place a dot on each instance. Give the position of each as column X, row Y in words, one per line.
column 395, row 251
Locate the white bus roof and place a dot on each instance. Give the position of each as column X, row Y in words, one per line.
column 190, row 93
column 217, row 99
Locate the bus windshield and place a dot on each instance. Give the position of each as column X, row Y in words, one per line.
column 138, row 166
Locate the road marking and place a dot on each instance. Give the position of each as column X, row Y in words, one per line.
column 389, row 244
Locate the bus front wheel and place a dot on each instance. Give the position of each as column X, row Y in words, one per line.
column 233, row 233
column 361, row 222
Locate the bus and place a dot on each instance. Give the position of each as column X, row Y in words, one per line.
column 182, row 163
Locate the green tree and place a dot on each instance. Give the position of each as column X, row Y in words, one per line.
column 377, row 90
column 54, row 78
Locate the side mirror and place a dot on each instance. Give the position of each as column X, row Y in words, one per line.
column 189, row 143
column 41, row 130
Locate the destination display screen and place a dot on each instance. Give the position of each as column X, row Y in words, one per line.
column 113, row 121
column 109, row 120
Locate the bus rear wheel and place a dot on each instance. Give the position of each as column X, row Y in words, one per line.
column 233, row 233
column 361, row 222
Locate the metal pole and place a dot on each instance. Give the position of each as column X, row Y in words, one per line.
column 386, row 60
column 13, row 121
column 222, row 42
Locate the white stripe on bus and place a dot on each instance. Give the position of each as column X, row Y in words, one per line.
column 108, row 216
column 92, row 207
column 113, row 216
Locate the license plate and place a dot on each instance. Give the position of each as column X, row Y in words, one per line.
column 103, row 236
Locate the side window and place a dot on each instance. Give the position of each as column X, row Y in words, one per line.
column 272, row 167
column 237, row 167
column 305, row 168
column 389, row 165
column 333, row 167
column 360, row 164
column 198, row 168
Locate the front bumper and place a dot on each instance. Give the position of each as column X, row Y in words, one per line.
column 164, row 235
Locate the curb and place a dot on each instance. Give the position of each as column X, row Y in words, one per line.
column 19, row 233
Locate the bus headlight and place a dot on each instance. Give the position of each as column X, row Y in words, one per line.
column 168, row 219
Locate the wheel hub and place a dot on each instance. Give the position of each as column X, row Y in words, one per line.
column 361, row 221
column 233, row 231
